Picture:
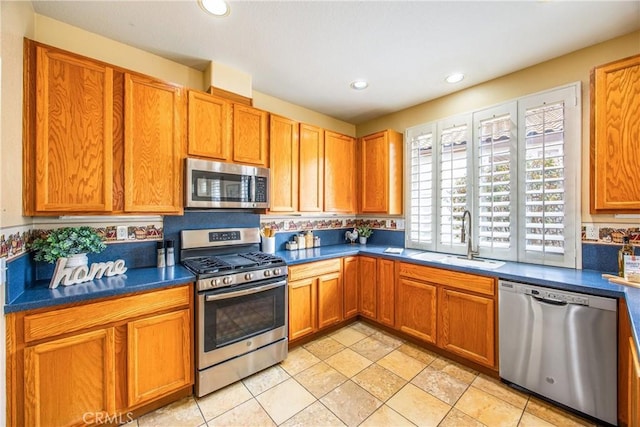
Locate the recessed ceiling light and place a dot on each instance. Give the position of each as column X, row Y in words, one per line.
column 454, row 78
column 215, row 7
column 359, row 84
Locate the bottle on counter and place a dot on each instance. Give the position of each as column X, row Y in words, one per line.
column 316, row 241
column 160, row 249
column 626, row 249
column 171, row 258
column 308, row 237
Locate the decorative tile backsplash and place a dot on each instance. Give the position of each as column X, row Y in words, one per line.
column 280, row 224
column 612, row 233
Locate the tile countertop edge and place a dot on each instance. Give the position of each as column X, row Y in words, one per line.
column 38, row 295
column 586, row 281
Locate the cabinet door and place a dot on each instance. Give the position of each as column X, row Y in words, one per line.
column 283, row 146
column 417, row 309
column 381, row 173
column 311, row 169
column 386, row 292
column 209, row 126
column 615, row 102
column 74, row 135
column 154, row 146
column 302, row 308
column 249, row 135
column 339, row 173
column 329, row 299
column 158, row 355
column 367, row 287
column 634, row 385
column 350, row 284
column 467, row 326
column 67, row 378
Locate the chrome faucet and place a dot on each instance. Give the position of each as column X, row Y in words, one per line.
column 463, row 236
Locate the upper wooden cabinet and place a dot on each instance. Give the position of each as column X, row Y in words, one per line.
column 381, row 173
column 311, row 176
column 615, row 147
column 99, row 139
column 339, row 173
column 209, row 125
column 153, row 145
column 68, row 150
column 283, row 152
column 250, row 135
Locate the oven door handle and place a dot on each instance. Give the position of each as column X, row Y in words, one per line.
column 245, row 291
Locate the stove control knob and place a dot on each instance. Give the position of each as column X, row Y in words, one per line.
column 267, row 273
column 248, row 276
column 277, row 272
column 215, row 283
column 226, row 280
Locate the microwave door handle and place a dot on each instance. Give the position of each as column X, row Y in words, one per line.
column 252, row 189
column 244, row 291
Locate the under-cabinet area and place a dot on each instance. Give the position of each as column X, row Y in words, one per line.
column 77, row 364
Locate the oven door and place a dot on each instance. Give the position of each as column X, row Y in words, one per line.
column 223, row 185
column 237, row 320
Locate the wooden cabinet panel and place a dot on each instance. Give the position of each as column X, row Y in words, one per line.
column 66, row 378
column 634, row 385
column 303, row 317
column 615, row 150
column 283, row 146
column 249, row 135
column 367, row 289
column 209, row 125
column 154, row 145
column 381, row 173
column 313, row 269
column 350, row 272
column 416, row 305
column 151, row 376
column 73, row 165
column 466, row 326
column 469, row 282
column 311, row 171
column 339, row 173
column 386, row 291
column 329, row 299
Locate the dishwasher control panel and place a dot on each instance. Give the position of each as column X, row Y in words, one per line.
column 555, row 296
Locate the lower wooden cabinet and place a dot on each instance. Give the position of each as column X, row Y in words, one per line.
column 634, row 385
column 69, row 366
column 315, row 297
column 386, row 280
column 350, row 273
column 416, row 305
column 367, row 290
column 466, row 325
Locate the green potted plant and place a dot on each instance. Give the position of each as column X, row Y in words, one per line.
column 364, row 231
column 69, row 242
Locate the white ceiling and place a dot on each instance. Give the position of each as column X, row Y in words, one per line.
column 307, row 52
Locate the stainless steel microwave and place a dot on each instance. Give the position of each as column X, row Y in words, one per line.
column 211, row 184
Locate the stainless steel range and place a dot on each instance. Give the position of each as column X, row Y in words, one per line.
column 241, row 305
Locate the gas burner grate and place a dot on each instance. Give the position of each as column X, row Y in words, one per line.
column 262, row 258
column 203, row 265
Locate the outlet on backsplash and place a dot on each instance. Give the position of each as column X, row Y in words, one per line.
column 592, row 232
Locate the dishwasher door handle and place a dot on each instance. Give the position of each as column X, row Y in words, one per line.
column 549, row 301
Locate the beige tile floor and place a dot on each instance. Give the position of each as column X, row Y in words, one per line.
column 362, row 376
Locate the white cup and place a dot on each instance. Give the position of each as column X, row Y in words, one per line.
column 269, row 245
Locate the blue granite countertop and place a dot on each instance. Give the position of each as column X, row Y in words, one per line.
column 585, row 281
column 38, row 294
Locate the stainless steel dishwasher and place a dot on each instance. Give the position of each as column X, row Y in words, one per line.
column 560, row 345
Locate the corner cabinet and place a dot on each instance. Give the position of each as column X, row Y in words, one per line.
column 284, row 148
column 381, row 173
column 103, row 358
column 339, row 173
column 153, row 145
column 615, row 147
column 68, row 122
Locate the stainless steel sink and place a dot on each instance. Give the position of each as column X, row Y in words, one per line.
column 457, row 260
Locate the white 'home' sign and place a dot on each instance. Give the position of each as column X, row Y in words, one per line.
column 71, row 275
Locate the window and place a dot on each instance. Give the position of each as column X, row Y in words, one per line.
column 514, row 166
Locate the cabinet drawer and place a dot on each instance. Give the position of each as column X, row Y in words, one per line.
column 450, row 279
column 314, row 269
column 56, row 322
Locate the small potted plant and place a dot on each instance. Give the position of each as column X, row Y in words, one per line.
column 72, row 243
column 364, row 231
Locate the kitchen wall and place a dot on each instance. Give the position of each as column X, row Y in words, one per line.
column 569, row 68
